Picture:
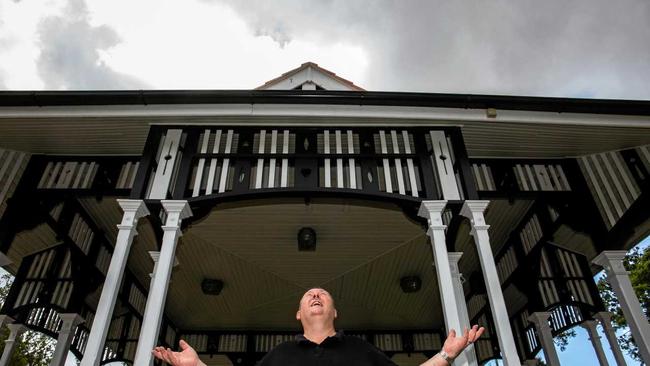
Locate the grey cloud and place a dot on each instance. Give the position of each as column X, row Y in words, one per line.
column 590, row 48
column 70, row 52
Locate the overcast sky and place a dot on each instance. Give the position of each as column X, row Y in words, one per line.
column 581, row 48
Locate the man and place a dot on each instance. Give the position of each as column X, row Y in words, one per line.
column 321, row 344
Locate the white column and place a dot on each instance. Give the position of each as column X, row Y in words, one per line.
column 605, row 319
column 590, row 326
column 540, row 319
column 473, row 210
column 468, row 356
column 618, row 278
column 133, row 210
column 432, row 211
column 66, row 333
column 176, row 212
column 15, row 330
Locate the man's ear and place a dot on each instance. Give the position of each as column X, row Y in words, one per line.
column 298, row 315
column 335, row 314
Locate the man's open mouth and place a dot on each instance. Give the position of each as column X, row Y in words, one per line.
column 316, row 303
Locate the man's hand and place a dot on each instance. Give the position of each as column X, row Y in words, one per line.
column 455, row 345
column 187, row 356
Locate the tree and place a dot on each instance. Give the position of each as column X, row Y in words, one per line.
column 637, row 262
column 33, row 348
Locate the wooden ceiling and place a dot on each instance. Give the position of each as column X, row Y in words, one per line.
column 126, row 135
column 363, row 249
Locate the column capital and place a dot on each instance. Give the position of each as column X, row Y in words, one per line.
column 540, row 318
column 474, row 210
column 6, row 319
column 133, row 211
column 474, row 206
column 454, row 257
column 4, row 260
column 16, row 328
column 604, row 317
column 432, row 208
column 180, row 207
column 155, row 255
column 70, row 320
column 589, row 324
column 611, row 261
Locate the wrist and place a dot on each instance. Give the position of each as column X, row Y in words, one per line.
column 445, row 356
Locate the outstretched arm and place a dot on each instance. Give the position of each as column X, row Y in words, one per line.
column 455, row 345
column 187, row 356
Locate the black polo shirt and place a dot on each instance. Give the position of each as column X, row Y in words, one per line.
column 338, row 349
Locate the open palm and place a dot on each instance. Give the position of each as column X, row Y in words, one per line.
column 187, row 356
column 455, row 345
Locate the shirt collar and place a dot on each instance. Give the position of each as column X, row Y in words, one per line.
column 338, row 336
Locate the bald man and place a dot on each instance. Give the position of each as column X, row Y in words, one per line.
column 321, row 344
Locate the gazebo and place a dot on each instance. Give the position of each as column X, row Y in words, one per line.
column 136, row 218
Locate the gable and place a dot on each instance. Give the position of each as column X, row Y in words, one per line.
column 309, row 76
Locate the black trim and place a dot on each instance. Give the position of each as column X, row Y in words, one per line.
column 326, row 97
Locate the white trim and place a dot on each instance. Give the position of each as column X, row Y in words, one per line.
column 351, row 164
column 226, row 162
column 448, row 116
column 213, row 164
column 327, row 167
column 387, row 173
column 398, row 164
column 409, row 164
column 200, row 168
column 285, row 162
column 274, row 149
column 339, row 162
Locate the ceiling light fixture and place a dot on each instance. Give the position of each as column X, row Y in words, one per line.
column 306, row 239
column 410, row 284
column 211, row 286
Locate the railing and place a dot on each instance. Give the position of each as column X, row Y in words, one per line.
column 211, row 162
column 521, row 176
column 87, row 174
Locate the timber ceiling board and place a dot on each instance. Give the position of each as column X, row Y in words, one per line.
column 247, row 289
column 126, row 135
column 30, row 241
column 362, row 252
column 502, row 216
column 107, row 214
column 348, row 235
column 375, row 288
column 515, row 299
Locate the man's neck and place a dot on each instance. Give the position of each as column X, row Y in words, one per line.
column 317, row 333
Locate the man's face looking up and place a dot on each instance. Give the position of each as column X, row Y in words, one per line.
column 315, row 304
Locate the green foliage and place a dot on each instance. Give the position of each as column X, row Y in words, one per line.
column 637, row 262
column 33, row 348
column 562, row 340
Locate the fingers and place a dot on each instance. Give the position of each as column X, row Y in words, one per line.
column 165, row 355
column 160, row 353
column 183, row 345
column 452, row 333
column 475, row 333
